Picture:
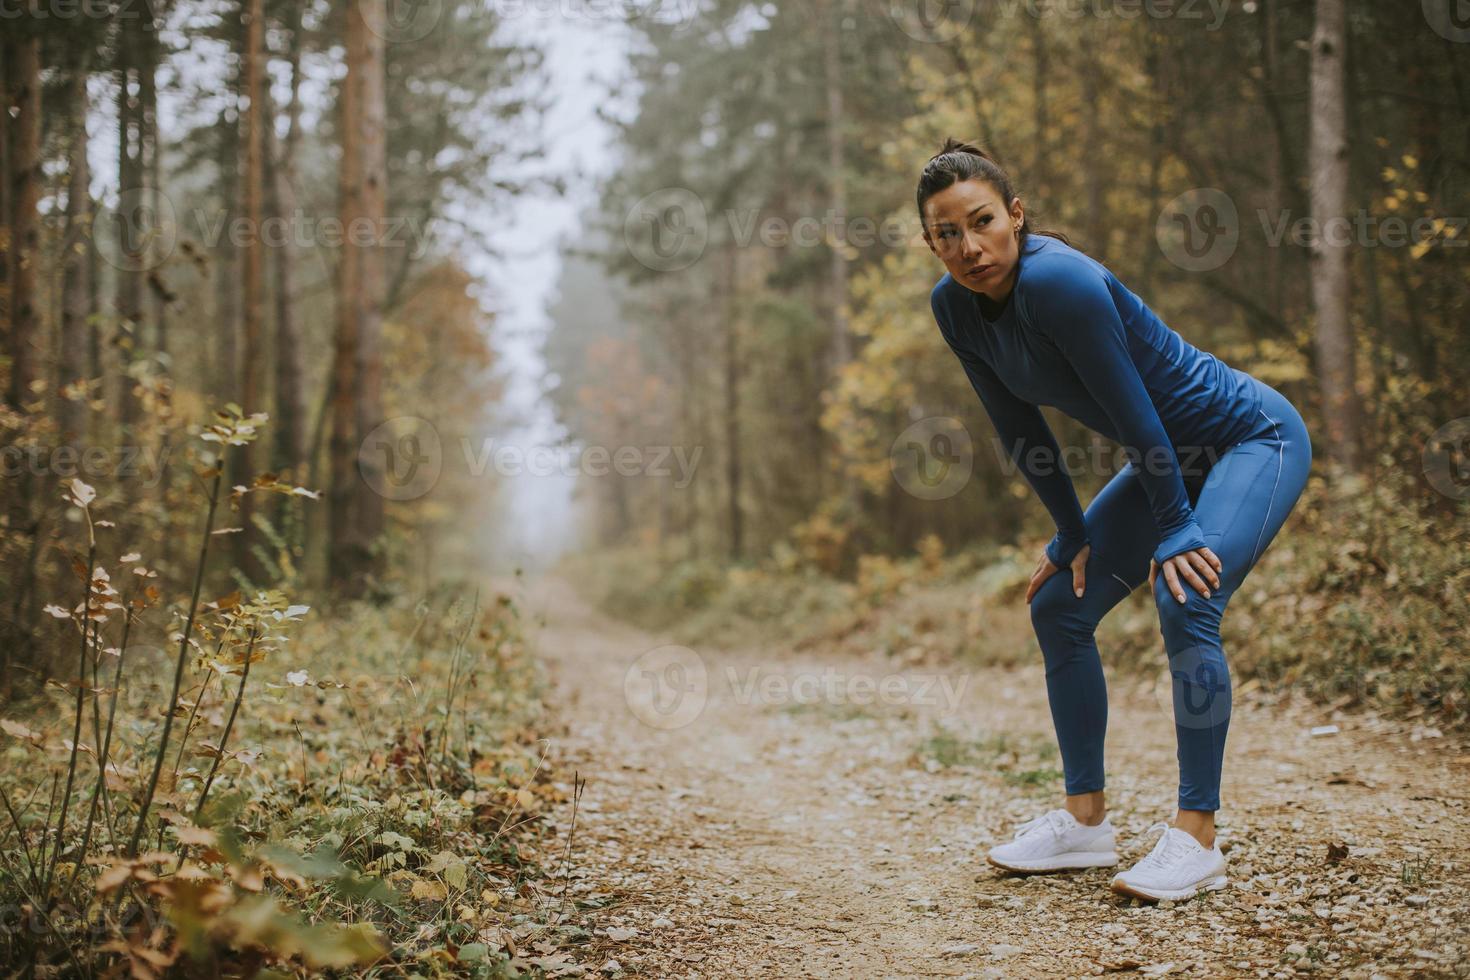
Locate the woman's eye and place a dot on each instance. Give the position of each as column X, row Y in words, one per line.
column 985, row 220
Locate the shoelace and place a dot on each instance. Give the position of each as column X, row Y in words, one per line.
column 1051, row 819
column 1168, row 848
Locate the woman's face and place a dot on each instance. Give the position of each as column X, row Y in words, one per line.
column 969, row 228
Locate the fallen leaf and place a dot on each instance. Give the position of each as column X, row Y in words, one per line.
column 433, row 891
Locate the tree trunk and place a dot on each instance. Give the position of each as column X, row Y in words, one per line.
column 1155, row 164
column 128, row 297
column 342, row 556
column 290, row 441
column 25, row 238
column 1277, row 170
column 150, row 167
column 1330, row 262
column 373, row 143
column 356, row 507
column 224, row 271
column 23, row 259
column 1095, row 176
column 8, row 51
column 76, row 298
column 96, row 367
column 252, row 282
column 967, row 74
column 733, row 471
column 1040, row 183
column 837, row 182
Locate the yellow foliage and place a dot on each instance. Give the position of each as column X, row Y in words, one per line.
column 931, row 552
column 820, row 542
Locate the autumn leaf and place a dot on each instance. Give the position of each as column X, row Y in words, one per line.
column 433, row 891
column 20, row 731
column 78, row 493
column 198, row 836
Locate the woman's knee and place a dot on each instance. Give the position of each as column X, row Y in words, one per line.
column 1194, row 619
column 1166, row 599
column 1057, row 612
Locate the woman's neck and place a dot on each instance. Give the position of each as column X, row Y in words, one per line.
column 993, row 306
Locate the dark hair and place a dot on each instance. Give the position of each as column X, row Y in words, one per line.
column 957, row 161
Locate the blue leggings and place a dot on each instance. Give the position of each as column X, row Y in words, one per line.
column 1240, row 503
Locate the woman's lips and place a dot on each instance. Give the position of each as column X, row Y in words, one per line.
column 979, row 270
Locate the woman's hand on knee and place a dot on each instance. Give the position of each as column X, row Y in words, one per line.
column 1045, row 569
column 1196, row 567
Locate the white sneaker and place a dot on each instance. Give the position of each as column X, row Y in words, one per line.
column 1177, row 868
column 1055, row 841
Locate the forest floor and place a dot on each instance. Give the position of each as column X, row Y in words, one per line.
column 760, row 820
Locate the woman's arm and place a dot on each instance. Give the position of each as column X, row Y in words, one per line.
column 1076, row 311
column 1022, row 428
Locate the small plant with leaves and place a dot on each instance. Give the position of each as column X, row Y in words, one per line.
column 127, row 851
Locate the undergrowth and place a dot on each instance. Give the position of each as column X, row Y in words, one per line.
column 237, row 786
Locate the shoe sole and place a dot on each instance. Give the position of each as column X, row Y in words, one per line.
column 1175, row 895
column 1070, row 861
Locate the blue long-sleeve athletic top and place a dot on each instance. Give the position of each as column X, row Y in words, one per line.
column 1072, row 336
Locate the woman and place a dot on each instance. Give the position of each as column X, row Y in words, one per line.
column 1216, row 461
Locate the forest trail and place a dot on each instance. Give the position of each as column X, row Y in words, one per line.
column 769, row 838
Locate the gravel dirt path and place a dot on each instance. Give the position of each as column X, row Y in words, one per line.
column 740, row 832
